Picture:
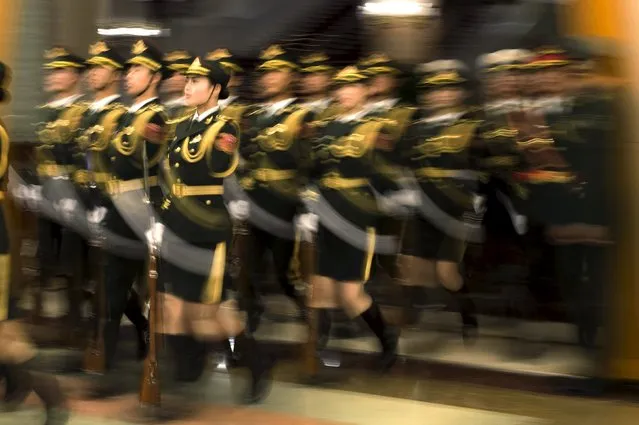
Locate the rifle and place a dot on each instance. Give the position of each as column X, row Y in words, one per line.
column 94, row 356
column 150, row 385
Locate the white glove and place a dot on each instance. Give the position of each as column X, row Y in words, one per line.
column 406, row 198
column 307, row 226
column 96, row 215
column 66, row 207
column 239, row 210
column 20, row 192
column 154, row 235
column 34, row 196
column 389, row 206
column 520, row 222
column 479, row 204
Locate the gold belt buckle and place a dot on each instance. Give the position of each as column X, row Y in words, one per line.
column 178, row 190
column 260, row 174
column 113, row 187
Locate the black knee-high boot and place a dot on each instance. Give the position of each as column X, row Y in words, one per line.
column 189, row 357
column 17, row 386
column 133, row 312
column 468, row 313
column 387, row 336
column 259, row 363
column 47, row 389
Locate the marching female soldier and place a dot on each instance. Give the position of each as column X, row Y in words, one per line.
column 342, row 166
column 437, row 149
column 203, row 152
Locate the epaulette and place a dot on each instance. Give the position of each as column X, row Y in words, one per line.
column 320, row 123
column 179, row 119
column 155, row 107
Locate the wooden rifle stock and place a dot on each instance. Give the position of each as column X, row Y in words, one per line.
column 95, row 356
column 307, row 268
column 150, row 386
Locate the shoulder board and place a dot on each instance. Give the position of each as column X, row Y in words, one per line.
column 179, row 119
column 155, row 107
column 320, row 123
column 115, row 105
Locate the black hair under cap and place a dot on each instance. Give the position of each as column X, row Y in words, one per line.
column 213, row 70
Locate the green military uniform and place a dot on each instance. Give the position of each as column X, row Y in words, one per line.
column 343, row 166
column 398, row 116
column 125, row 165
column 55, row 164
column 97, row 128
column 583, row 131
column 440, row 150
column 202, row 154
column 275, row 150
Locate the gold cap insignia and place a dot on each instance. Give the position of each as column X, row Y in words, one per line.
column 138, row 48
column 349, row 70
column 219, row 54
column 97, row 48
column 176, row 56
column 316, row 57
column 375, row 59
column 196, row 63
column 444, row 77
column 55, row 52
column 272, row 52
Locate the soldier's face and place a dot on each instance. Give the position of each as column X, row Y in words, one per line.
column 100, row 77
column 315, row 83
column 138, row 79
column 276, row 82
column 197, row 91
column 503, row 84
column 444, row 98
column 551, row 81
column 351, row 96
column 174, row 85
column 235, row 82
column 61, row 80
column 382, row 85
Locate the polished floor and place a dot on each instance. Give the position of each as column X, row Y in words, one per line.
column 360, row 399
column 418, row 391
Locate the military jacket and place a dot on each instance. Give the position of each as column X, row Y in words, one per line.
column 96, row 130
column 235, row 111
column 276, row 149
column 442, row 154
column 399, row 117
column 126, row 148
column 193, row 169
column 344, row 167
column 125, row 159
column 56, row 134
column 583, row 132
